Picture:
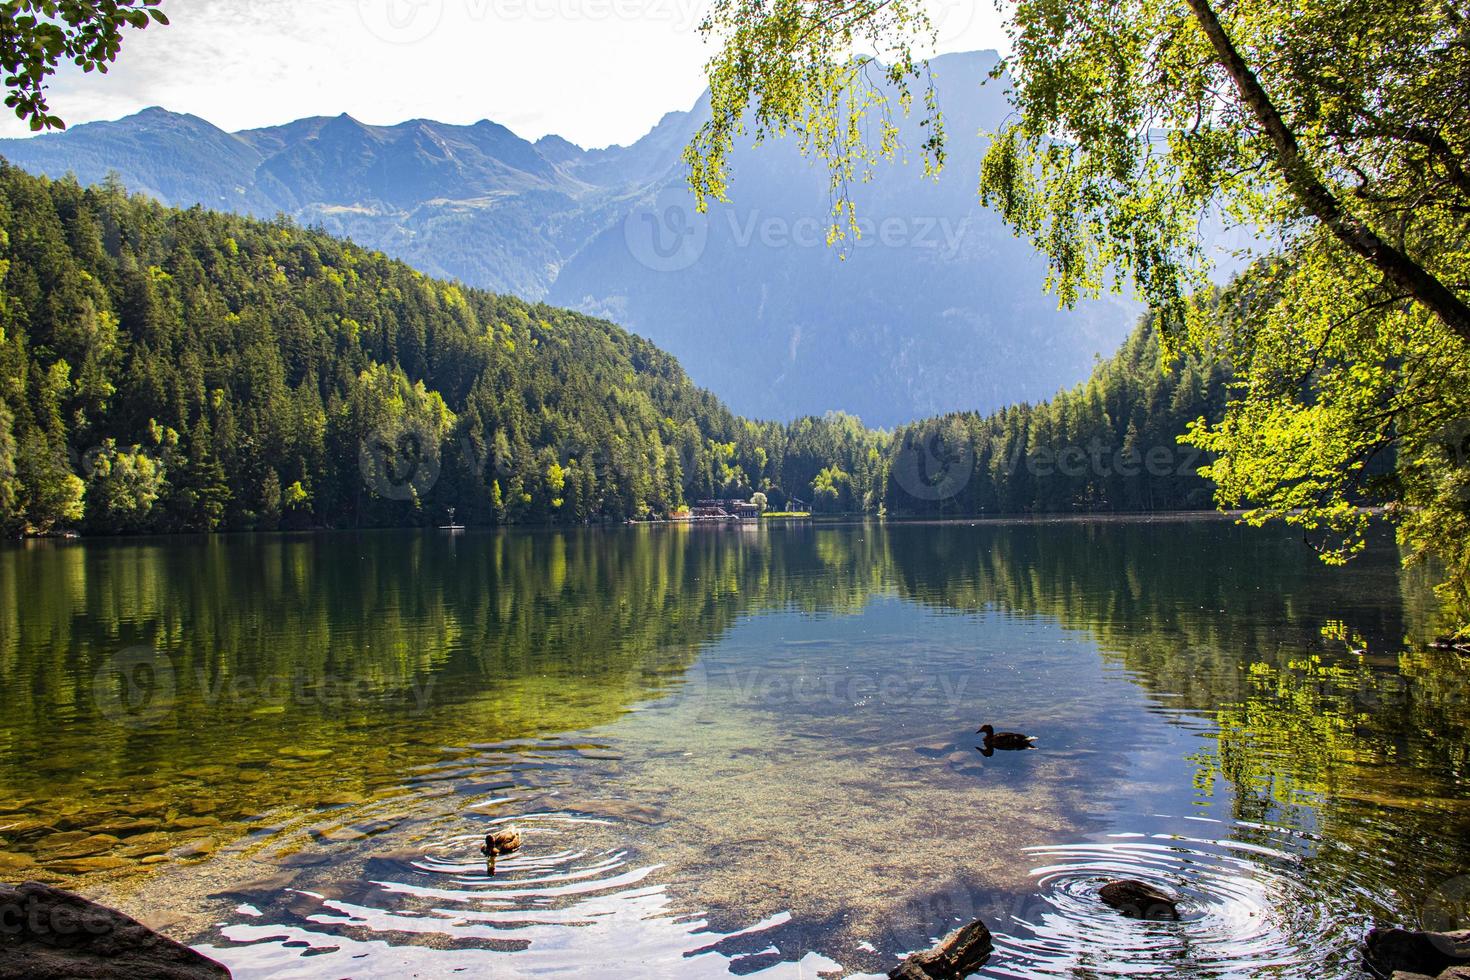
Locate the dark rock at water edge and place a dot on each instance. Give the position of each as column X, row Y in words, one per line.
column 1453, row 973
column 1140, row 900
column 1390, row 951
column 961, row 953
column 50, row 934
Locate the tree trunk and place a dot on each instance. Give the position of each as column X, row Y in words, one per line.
column 1318, row 199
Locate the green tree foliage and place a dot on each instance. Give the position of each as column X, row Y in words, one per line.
column 123, row 487
column 10, row 488
column 36, row 35
column 1110, row 444
column 274, row 376
column 1335, row 129
column 831, row 491
column 776, row 66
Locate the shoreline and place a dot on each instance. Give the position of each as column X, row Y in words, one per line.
column 829, row 520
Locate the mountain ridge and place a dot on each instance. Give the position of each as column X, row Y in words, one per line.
column 939, row 309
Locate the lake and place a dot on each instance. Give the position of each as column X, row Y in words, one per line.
column 737, row 750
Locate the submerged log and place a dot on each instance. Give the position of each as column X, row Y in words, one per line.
column 1140, row 900
column 1389, row 951
column 961, row 953
column 50, row 934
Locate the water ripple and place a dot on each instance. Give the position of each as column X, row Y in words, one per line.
column 1246, row 910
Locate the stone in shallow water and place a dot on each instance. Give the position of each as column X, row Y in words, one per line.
column 62, row 839
column 87, row 845
column 341, row 799
column 195, row 849
column 23, row 827
column 295, row 859
column 87, row 865
column 1388, row 951
column 1140, row 900
column 126, row 828
column 304, row 753
column 60, row 935
column 194, row 823
column 264, row 887
column 10, row 862
column 145, row 844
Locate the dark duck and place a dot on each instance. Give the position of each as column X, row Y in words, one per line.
column 1005, row 741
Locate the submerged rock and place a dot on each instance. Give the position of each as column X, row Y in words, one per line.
column 50, row 934
column 87, row 845
column 960, row 954
column 86, row 865
column 1389, row 951
column 1140, row 900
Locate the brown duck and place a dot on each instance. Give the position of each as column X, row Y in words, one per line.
column 1005, row 741
column 498, row 842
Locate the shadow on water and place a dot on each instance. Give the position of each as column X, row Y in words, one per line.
column 731, row 751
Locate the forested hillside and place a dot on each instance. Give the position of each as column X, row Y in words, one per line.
column 168, row 370
column 165, row 370
column 1110, row 444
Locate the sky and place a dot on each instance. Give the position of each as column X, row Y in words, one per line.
column 596, row 72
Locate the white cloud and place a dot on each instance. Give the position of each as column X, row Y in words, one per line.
column 594, row 71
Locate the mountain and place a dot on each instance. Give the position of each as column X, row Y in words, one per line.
column 937, row 308
column 167, row 370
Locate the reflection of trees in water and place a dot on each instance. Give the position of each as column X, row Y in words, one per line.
column 1334, row 714
column 428, row 641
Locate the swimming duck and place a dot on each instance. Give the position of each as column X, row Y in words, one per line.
column 1004, row 740
column 498, row 842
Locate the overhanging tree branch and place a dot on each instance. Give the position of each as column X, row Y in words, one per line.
column 1318, row 199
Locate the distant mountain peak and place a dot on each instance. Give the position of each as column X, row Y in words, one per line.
column 558, row 150
column 942, row 310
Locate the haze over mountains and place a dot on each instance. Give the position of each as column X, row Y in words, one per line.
column 937, row 308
